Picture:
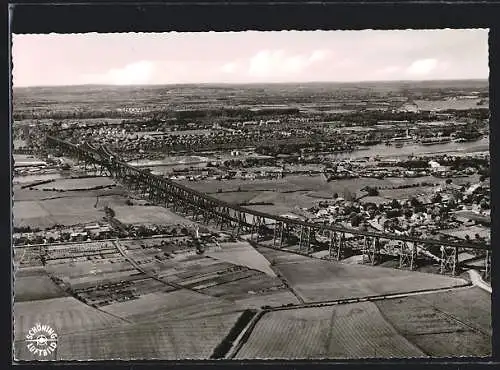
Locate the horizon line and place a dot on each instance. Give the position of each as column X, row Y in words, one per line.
column 251, row 83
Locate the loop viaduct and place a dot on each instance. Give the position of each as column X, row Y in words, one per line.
column 239, row 220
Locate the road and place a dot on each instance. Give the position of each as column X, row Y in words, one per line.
column 478, row 281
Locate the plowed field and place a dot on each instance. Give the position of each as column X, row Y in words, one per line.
column 456, row 323
column 346, row 331
column 195, row 338
column 64, row 315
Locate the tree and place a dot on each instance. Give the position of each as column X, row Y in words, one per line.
column 437, row 198
column 355, row 220
column 395, row 204
column 448, row 181
column 415, row 202
column 393, row 213
column 408, row 213
column 372, row 191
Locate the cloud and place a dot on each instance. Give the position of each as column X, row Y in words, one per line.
column 132, row 74
column 319, row 55
column 279, row 63
column 422, row 67
column 229, row 67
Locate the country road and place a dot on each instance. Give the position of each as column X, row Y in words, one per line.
column 478, row 281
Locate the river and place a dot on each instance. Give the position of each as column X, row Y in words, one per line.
column 385, row 151
column 168, row 164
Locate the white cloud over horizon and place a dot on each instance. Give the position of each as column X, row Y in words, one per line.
column 288, row 56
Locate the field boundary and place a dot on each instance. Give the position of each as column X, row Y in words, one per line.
column 221, row 350
column 244, row 335
column 367, row 298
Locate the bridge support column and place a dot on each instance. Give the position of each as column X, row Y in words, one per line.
column 371, row 250
column 305, row 238
column 487, row 266
column 333, row 237
column 256, row 226
column 449, row 260
column 367, row 250
column 336, row 246
column 278, row 233
column 407, row 256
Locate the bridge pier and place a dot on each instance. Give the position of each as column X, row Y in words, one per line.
column 449, row 260
column 336, row 245
column 255, row 229
column 278, row 233
column 305, row 238
column 407, row 256
column 487, row 266
column 371, row 250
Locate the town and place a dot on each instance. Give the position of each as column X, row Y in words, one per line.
column 221, row 218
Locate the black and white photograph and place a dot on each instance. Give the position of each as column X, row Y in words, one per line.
column 251, row 195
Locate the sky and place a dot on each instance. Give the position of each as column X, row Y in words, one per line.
column 248, row 57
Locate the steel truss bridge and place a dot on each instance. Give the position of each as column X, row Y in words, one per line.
column 262, row 226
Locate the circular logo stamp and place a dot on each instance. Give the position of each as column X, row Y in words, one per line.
column 41, row 340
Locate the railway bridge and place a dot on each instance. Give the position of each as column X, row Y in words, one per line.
column 277, row 230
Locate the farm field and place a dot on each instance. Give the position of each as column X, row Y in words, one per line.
column 195, row 338
column 236, row 197
column 444, row 324
column 316, row 184
column 64, row 315
column 276, row 209
column 406, row 193
column 176, row 305
column 65, row 211
column 73, row 271
column 26, row 158
column 33, row 284
column 28, row 179
column 276, row 298
column 279, row 257
column 243, row 254
column 301, row 199
column 248, row 285
column 306, row 191
column 33, row 194
column 147, row 215
column 77, row 184
column 449, row 104
column 318, row 280
column 345, row 331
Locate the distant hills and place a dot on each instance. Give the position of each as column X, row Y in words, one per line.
column 361, row 84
